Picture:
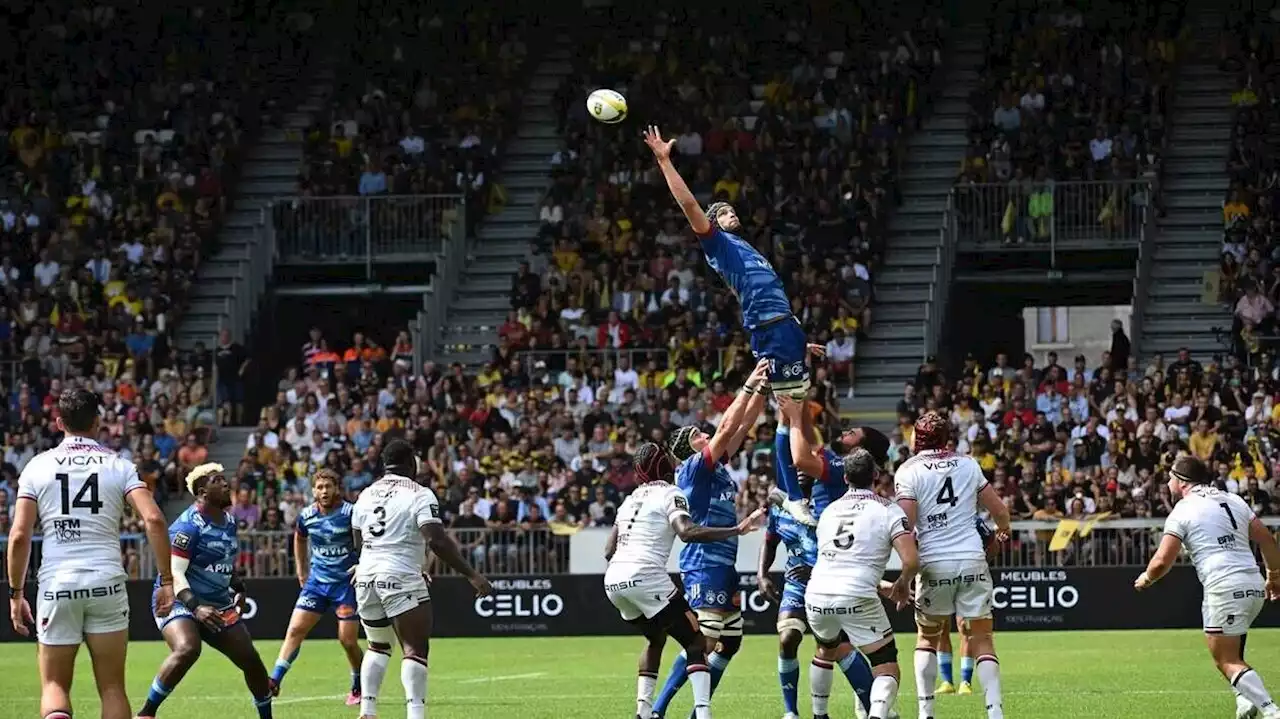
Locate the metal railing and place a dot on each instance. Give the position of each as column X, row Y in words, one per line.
column 1142, row 274
column 351, row 229
column 935, row 310
column 1080, row 214
column 451, row 260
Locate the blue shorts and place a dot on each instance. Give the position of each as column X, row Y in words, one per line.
column 180, row 611
column 784, row 343
column 792, row 598
column 320, row 597
column 714, row 588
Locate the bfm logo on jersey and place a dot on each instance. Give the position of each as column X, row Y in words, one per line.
column 520, row 598
column 1034, row 589
column 66, row 530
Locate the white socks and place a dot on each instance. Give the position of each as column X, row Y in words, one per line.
column 700, row 680
column 1249, row 685
column 413, row 675
column 926, row 680
column 820, row 676
column 884, row 692
column 988, row 671
column 645, row 684
column 372, row 669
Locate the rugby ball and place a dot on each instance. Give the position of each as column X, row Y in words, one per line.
column 607, row 106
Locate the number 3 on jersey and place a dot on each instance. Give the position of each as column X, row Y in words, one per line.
column 86, row 497
column 379, row 527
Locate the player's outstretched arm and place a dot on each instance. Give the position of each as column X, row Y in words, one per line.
column 446, row 549
column 153, row 524
column 679, row 190
column 690, row 532
column 20, row 534
column 755, row 405
column 737, row 416
column 1266, row 541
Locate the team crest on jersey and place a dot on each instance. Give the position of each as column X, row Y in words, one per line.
column 435, row 511
column 682, row 504
column 182, row 540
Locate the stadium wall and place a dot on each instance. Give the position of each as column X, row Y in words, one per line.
column 575, row 605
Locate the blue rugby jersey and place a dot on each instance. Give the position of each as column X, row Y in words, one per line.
column 333, row 548
column 211, row 549
column 712, row 494
column 749, row 275
column 801, row 541
column 831, row 485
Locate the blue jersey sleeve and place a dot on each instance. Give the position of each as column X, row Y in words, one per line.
column 771, row 529
column 301, row 526
column 184, row 539
column 832, row 467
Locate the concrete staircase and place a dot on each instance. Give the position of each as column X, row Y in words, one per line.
column 1189, row 238
column 269, row 171
column 894, row 347
column 483, row 299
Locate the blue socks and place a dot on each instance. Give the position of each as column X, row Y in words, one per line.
column 858, row 671
column 945, row 672
column 675, row 680
column 283, row 666
column 717, row 663
column 355, row 681
column 966, row 670
column 788, row 477
column 263, row 706
column 789, row 678
column 155, row 697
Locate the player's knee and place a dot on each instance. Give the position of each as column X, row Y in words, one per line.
column 728, row 646
column 931, row 628
column 789, row 641
column 886, row 654
column 348, row 641
column 380, row 647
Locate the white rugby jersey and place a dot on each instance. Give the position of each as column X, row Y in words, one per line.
column 855, row 538
column 79, row 488
column 390, row 514
column 1214, row 527
column 945, row 487
column 644, row 522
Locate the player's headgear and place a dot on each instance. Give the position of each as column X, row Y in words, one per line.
column 860, row 468
column 1190, row 469
column 713, row 212
column 78, row 409
column 931, row 432
column 202, row 472
column 399, row 458
column 681, row 442
column 653, row 463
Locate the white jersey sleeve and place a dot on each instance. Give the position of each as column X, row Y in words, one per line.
column 945, row 487
column 79, row 488
column 855, row 539
column 426, row 508
column 390, row 514
column 645, row 525
column 1214, row 527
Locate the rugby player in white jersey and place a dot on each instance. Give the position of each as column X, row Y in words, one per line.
column 395, row 520
column 855, row 536
column 939, row 491
column 1216, row 528
column 77, row 492
column 637, row 582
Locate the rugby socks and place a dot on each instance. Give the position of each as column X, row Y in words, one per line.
column 944, row 667
column 413, row 675
column 646, row 682
column 355, row 681
column 675, row 680
column 966, row 670
column 700, row 678
column 283, row 666
column 820, row 676
column 988, row 669
column 788, row 477
column 884, row 692
column 1249, row 685
column 926, row 661
column 372, row 670
column 717, row 662
column 263, row 706
column 58, row 714
column 155, row 697
column 789, row 679
column 858, row 671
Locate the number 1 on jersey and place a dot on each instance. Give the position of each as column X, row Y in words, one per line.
column 1227, row 508
column 90, row 488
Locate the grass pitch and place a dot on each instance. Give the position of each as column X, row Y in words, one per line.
column 1047, row 675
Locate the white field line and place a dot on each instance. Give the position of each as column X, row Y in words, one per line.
column 502, row 678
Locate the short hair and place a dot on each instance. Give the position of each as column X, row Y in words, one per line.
column 860, row 469
column 78, row 409
column 399, row 457
column 199, row 476
column 653, row 463
column 326, row 474
column 1191, row 469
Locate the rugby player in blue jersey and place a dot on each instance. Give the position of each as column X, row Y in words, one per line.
column 325, row 551
column 776, row 335
column 709, row 570
column 209, row 595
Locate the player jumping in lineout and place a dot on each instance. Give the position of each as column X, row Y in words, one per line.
column 776, row 334
column 1216, row 527
column 325, row 551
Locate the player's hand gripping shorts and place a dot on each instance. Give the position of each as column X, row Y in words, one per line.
column 320, row 597
column 785, row 344
column 862, row 619
column 962, row 588
column 229, row 611
column 384, row 596
column 73, row 604
column 1230, row 611
column 637, row 592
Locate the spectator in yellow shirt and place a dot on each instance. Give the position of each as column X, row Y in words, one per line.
column 729, row 186
column 1235, row 209
column 1204, row 442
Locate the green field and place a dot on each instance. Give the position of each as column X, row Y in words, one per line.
column 1115, row 675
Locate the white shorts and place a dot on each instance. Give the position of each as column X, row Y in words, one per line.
column 962, row 588
column 862, row 619
column 638, row 592
column 73, row 604
column 1230, row 611
column 384, row 596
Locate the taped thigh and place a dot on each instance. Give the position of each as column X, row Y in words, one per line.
column 788, row 624
column 379, row 631
column 932, row 626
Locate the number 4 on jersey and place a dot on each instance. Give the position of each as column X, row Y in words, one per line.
column 86, row 498
column 947, row 495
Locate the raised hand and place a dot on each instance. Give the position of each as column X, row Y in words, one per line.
column 661, row 148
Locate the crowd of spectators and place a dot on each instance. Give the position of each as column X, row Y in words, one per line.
column 1068, row 97
column 120, row 129
column 1249, row 278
